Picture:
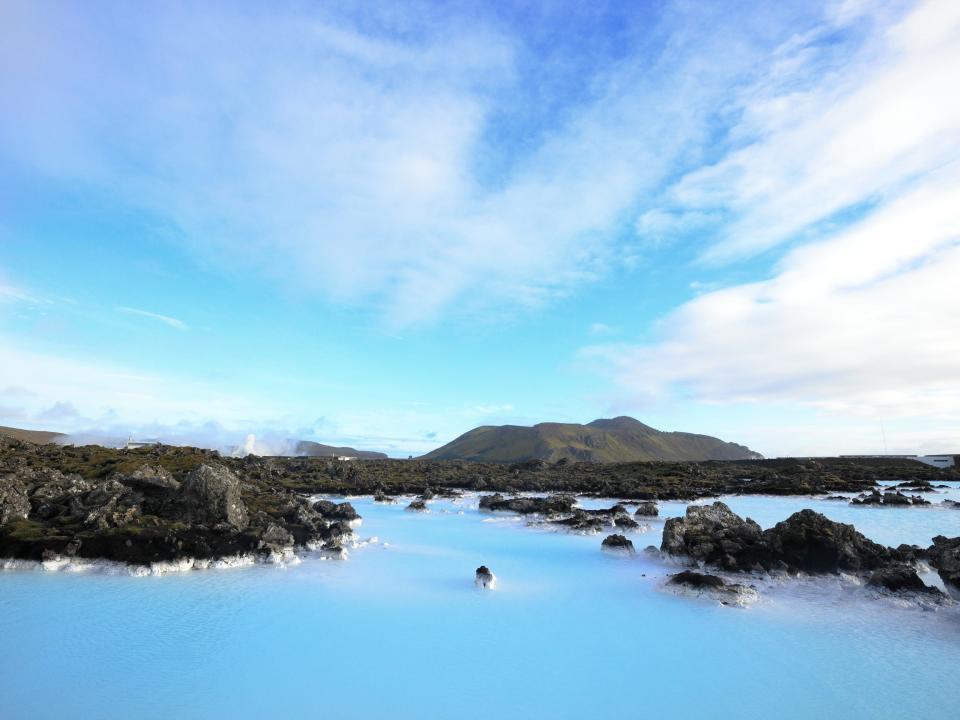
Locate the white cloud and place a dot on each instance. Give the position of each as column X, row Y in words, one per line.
column 75, row 391
column 858, row 319
column 349, row 163
column 599, row 328
column 660, row 225
column 12, row 413
column 94, row 401
column 59, row 412
column 165, row 319
column 862, row 322
column 821, row 134
column 9, row 293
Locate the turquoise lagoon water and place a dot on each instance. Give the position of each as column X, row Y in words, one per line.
column 399, row 631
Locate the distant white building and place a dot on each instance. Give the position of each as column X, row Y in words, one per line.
column 940, row 461
column 136, row 444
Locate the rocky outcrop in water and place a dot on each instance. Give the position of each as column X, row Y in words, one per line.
column 148, row 513
column 647, row 509
column 588, row 521
column 528, row 505
column 336, row 511
column 805, row 542
column 889, row 499
column 944, row 557
column 484, row 578
column 697, row 584
column 617, row 543
column 581, row 521
column 900, row 579
column 417, row 505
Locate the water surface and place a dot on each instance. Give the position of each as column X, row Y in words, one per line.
column 399, row 631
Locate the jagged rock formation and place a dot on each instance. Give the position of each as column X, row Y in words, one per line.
column 900, row 578
column 617, row 543
column 647, row 509
column 696, row 584
column 888, row 498
column 528, row 505
column 151, row 513
column 805, row 542
column 944, row 557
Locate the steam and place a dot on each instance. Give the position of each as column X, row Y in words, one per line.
column 252, row 445
column 212, row 438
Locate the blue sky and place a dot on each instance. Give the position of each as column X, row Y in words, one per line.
column 384, row 224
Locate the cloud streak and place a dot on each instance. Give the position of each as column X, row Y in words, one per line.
column 165, row 319
column 377, row 159
column 858, row 319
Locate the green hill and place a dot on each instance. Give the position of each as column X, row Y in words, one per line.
column 315, row 449
column 41, row 437
column 621, row 439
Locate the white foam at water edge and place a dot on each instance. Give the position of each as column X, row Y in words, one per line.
column 486, row 583
column 110, row 567
column 743, row 598
column 373, row 540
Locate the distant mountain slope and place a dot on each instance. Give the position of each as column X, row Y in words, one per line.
column 315, row 449
column 41, row 437
column 621, row 439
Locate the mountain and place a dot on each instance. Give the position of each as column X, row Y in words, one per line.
column 315, row 449
column 620, row 439
column 41, row 437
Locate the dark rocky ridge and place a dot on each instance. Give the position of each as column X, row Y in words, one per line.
column 186, row 507
column 632, row 480
column 138, row 506
column 806, row 542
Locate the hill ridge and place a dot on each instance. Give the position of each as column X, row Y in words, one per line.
column 620, row 439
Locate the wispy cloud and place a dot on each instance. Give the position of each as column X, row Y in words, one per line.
column 384, row 159
column 857, row 319
column 599, row 328
column 165, row 319
column 9, row 293
column 823, row 132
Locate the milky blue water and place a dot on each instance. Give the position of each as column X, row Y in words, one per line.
column 399, row 631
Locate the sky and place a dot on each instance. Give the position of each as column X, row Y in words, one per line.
column 383, row 224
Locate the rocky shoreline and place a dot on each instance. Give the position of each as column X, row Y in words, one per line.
column 153, row 513
column 167, row 505
column 805, row 543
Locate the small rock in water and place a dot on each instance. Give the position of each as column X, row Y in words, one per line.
column 617, row 543
column 626, row 522
column 900, row 578
column 417, row 505
column 485, row 578
column 697, row 584
column 647, row 509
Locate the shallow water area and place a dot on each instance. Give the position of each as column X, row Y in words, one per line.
column 398, row 630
